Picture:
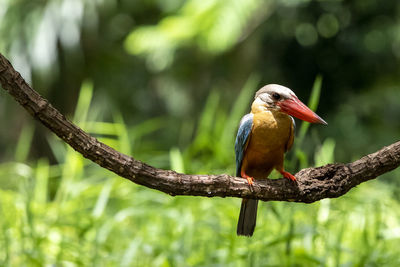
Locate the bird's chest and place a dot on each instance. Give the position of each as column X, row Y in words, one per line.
column 267, row 144
column 270, row 132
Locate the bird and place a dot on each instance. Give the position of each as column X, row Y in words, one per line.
column 263, row 137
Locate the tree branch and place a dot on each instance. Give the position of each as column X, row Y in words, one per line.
column 329, row 181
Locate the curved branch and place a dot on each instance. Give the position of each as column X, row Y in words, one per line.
column 329, row 181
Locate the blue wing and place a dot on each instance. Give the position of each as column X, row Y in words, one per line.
column 242, row 136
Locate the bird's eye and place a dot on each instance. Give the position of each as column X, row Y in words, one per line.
column 276, row 96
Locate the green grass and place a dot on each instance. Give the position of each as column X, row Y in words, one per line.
column 75, row 213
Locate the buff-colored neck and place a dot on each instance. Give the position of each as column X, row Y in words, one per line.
column 259, row 106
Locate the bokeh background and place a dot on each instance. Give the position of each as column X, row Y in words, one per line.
column 167, row 82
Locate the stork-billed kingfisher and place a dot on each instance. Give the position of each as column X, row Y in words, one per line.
column 264, row 135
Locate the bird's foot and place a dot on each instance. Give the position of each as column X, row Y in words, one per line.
column 288, row 175
column 250, row 179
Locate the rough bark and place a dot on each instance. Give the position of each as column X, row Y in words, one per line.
column 329, row 181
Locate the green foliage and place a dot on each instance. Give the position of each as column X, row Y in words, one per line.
column 73, row 212
column 215, row 132
column 215, row 26
column 301, row 156
column 182, row 72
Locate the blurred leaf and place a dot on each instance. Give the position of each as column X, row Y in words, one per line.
column 24, row 143
column 312, row 104
column 82, row 107
column 215, row 26
column 176, row 160
column 325, row 154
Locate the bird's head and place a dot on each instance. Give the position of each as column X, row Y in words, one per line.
column 280, row 98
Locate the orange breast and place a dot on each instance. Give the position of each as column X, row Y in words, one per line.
column 267, row 144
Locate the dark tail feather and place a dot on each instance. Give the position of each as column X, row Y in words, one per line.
column 247, row 217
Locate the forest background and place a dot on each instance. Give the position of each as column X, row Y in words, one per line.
column 167, row 82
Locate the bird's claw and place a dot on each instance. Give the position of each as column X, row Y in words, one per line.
column 250, row 180
column 288, row 175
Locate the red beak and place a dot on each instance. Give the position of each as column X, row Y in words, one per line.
column 296, row 108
